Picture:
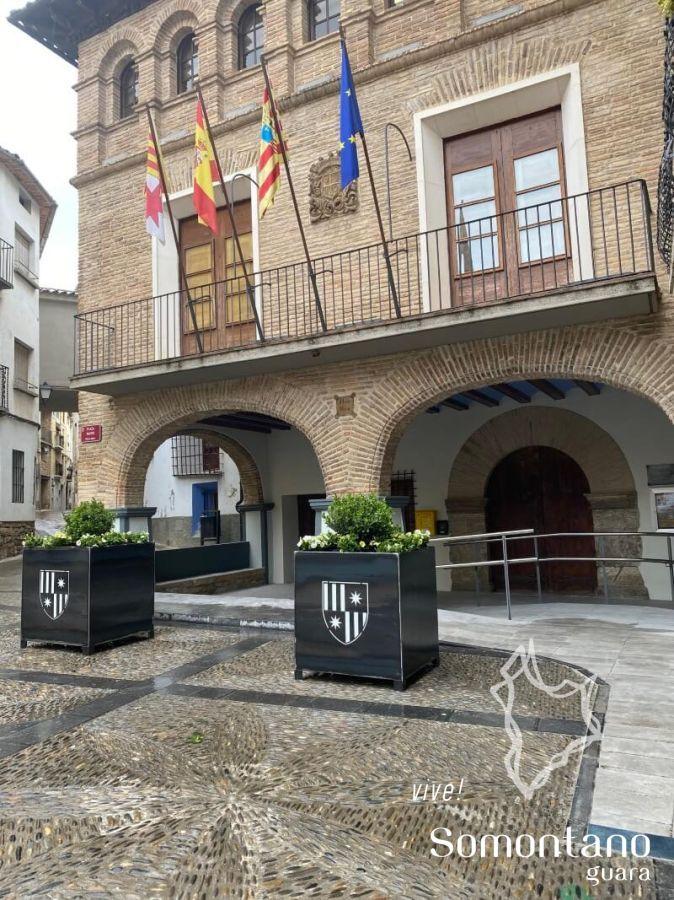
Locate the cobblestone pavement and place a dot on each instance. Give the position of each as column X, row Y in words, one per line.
column 192, row 765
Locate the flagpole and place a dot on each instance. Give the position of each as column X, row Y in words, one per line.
column 235, row 231
column 279, row 137
column 181, row 269
column 380, row 221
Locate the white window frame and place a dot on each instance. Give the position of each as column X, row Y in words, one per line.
column 561, row 87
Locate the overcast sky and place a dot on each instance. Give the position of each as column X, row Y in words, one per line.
column 37, row 116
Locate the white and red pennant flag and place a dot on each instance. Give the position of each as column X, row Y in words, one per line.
column 154, row 208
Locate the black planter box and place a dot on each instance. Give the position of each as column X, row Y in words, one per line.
column 87, row 596
column 373, row 615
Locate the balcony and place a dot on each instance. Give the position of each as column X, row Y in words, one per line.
column 26, row 387
column 6, row 265
column 584, row 258
column 4, row 389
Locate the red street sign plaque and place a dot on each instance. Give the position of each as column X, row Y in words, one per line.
column 91, row 434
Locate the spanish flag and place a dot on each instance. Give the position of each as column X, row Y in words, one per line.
column 269, row 160
column 154, row 210
column 205, row 173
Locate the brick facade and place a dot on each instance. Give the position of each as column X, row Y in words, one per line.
column 407, row 59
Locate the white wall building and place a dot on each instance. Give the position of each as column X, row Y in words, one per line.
column 183, row 482
column 26, row 214
column 59, row 440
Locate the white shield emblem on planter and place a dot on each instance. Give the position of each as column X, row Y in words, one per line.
column 54, row 592
column 345, row 609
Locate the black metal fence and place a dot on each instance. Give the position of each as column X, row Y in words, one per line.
column 535, row 250
column 6, row 264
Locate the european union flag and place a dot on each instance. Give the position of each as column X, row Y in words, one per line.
column 350, row 124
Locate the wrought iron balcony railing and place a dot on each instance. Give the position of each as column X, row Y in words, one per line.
column 4, row 388
column 6, row 265
column 539, row 250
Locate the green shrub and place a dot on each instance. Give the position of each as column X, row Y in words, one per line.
column 88, row 525
column 362, row 523
column 88, row 517
column 364, row 517
column 667, row 7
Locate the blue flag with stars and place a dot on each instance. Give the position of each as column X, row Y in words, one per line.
column 350, row 124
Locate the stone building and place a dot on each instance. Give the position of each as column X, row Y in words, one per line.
column 516, row 373
column 26, row 215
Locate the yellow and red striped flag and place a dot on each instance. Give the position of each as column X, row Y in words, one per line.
column 269, row 162
column 205, row 173
column 154, row 209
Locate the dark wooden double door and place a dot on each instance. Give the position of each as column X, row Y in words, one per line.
column 221, row 309
column 544, row 489
column 508, row 230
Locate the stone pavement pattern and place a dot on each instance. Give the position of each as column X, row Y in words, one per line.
column 632, row 648
column 201, row 780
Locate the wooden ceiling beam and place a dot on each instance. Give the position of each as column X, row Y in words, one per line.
column 589, row 387
column 548, row 388
column 455, row 403
column 236, row 422
column 511, row 391
column 482, row 398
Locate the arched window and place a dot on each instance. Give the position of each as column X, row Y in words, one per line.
column 323, row 17
column 251, row 36
column 128, row 90
column 187, row 63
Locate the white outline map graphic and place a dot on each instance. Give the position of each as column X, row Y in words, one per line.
column 524, row 662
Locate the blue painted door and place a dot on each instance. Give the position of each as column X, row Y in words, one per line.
column 204, row 499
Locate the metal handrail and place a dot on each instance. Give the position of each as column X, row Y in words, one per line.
column 537, row 559
column 577, row 240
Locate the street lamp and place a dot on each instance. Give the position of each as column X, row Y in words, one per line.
column 45, row 391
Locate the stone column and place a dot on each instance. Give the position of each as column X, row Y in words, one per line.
column 618, row 513
column 134, row 518
column 466, row 516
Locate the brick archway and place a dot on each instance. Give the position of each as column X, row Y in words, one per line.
column 249, row 474
column 141, row 425
column 612, row 496
column 595, row 451
column 613, row 355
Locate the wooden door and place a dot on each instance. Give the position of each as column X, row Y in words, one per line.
column 216, row 280
column 508, row 221
column 544, row 489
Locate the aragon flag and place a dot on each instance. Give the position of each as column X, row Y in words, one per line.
column 154, row 210
column 269, row 159
column 205, row 173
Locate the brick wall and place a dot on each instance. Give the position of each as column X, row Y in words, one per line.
column 442, row 57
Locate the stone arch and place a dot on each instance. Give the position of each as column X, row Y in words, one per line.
column 228, row 11
column 179, row 18
column 612, row 491
column 142, row 425
column 595, row 451
column 124, row 46
column 612, row 355
column 249, row 474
